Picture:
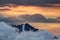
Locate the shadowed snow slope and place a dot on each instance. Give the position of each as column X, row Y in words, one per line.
column 8, row 33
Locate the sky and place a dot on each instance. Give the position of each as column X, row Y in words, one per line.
column 11, row 10
column 49, row 8
column 22, row 10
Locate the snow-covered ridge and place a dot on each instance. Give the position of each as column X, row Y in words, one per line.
column 9, row 33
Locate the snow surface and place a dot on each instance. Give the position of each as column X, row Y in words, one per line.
column 8, row 33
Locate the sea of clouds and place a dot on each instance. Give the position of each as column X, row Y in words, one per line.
column 9, row 33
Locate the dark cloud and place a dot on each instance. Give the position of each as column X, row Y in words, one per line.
column 4, row 9
column 11, row 20
column 30, row 2
column 8, row 19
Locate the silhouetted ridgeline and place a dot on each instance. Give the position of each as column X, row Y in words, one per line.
column 33, row 18
column 53, row 20
column 39, row 18
column 30, row 18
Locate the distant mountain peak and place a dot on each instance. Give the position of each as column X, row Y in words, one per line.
column 25, row 27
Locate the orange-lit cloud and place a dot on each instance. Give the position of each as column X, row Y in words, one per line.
column 20, row 10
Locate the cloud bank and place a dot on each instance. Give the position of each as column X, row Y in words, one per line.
column 30, row 2
column 8, row 33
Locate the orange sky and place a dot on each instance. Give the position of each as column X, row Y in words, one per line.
column 46, row 11
column 51, row 27
column 20, row 10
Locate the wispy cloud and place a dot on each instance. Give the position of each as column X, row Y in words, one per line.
column 4, row 9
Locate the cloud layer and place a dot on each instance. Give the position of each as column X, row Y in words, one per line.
column 30, row 2
column 8, row 33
